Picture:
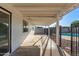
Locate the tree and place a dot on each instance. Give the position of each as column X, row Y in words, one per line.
column 75, row 23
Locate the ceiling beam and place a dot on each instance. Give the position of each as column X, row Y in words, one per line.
column 29, row 9
column 39, row 15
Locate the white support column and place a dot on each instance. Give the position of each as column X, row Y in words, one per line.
column 29, row 25
column 57, row 33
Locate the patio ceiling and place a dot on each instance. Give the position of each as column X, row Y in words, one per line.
column 43, row 13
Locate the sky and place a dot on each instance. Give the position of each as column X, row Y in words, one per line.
column 69, row 18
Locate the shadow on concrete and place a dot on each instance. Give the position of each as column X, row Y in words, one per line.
column 50, row 48
column 37, row 41
column 27, row 51
column 45, row 48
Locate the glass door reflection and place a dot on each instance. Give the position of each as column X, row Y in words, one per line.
column 4, row 32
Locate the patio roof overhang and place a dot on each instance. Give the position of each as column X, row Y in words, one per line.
column 44, row 13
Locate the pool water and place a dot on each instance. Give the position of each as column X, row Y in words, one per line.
column 69, row 34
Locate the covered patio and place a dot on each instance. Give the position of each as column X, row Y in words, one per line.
column 45, row 15
column 41, row 14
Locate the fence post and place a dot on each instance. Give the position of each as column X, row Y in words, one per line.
column 71, row 39
column 60, row 37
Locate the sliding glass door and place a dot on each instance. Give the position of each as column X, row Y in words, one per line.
column 4, row 31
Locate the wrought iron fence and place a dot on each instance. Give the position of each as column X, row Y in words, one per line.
column 69, row 41
column 74, row 40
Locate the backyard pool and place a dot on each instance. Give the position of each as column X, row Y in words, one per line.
column 69, row 34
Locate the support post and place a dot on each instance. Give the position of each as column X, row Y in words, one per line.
column 57, row 33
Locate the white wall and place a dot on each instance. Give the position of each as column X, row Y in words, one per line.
column 17, row 27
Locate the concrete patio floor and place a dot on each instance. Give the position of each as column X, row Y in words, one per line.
column 36, row 45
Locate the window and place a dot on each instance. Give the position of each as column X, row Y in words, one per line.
column 25, row 26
